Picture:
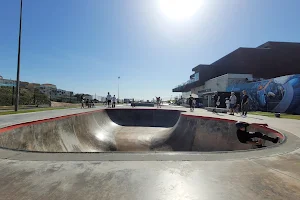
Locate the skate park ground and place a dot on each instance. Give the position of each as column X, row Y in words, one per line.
column 272, row 173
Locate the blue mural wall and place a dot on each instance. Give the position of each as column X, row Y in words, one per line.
column 281, row 94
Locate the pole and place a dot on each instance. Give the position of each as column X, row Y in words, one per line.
column 12, row 96
column 118, row 90
column 18, row 68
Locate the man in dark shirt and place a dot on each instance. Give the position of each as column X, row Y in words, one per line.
column 191, row 103
column 246, row 137
column 245, row 104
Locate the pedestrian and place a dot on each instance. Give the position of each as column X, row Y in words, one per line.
column 194, row 103
column 246, row 137
column 237, row 108
column 108, row 100
column 232, row 100
column 114, row 101
column 191, row 103
column 82, row 103
column 218, row 102
column 160, row 102
column 227, row 102
column 215, row 97
column 245, row 104
column 157, row 101
column 87, row 103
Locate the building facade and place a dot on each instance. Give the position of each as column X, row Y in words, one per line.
column 245, row 68
column 50, row 90
column 281, row 94
column 7, row 83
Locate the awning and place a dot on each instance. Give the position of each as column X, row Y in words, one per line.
column 209, row 93
column 194, row 95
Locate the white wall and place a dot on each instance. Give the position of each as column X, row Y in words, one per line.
column 217, row 84
column 196, row 89
column 220, row 83
column 186, row 94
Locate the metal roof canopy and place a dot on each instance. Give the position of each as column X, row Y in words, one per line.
column 208, row 93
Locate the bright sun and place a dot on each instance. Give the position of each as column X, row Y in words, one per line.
column 179, row 9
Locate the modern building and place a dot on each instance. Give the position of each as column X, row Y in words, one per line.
column 87, row 96
column 7, row 82
column 48, row 89
column 243, row 66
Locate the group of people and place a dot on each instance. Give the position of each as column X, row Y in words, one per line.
column 88, row 103
column 111, row 101
column 243, row 135
column 233, row 106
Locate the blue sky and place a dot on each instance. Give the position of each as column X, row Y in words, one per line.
column 84, row 45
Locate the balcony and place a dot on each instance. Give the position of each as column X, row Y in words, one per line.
column 188, row 85
column 185, row 87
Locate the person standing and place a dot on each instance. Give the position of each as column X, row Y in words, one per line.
column 114, row 101
column 245, row 104
column 108, row 99
column 194, row 103
column 158, row 101
column 191, row 103
column 87, row 103
column 82, row 103
column 218, row 102
column 232, row 100
column 227, row 102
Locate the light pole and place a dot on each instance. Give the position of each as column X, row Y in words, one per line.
column 19, row 54
column 118, row 89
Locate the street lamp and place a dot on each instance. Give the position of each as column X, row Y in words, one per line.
column 118, row 89
column 19, row 54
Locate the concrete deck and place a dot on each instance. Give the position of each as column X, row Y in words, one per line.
column 240, row 175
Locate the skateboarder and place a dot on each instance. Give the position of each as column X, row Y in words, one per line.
column 246, row 137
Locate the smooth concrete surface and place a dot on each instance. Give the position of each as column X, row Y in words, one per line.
column 143, row 104
column 6, row 120
column 275, row 176
column 128, row 130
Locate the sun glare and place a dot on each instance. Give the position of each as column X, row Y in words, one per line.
column 179, row 9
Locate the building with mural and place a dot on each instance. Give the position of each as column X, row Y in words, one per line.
column 269, row 73
column 281, row 94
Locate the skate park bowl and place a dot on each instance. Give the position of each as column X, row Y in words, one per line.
column 143, row 104
column 128, row 130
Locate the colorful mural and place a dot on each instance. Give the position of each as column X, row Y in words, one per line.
column 280, row 94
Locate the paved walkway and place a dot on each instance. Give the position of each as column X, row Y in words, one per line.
column 271, row 177
column 290, row 125
column 6, row 120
